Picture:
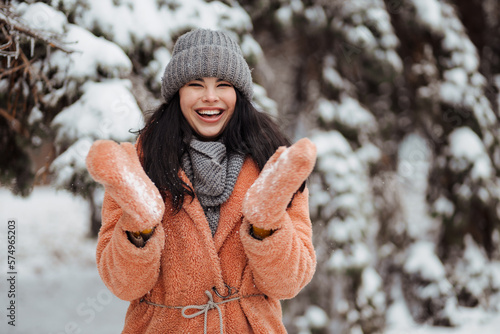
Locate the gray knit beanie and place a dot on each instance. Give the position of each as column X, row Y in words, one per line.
column 206, row 53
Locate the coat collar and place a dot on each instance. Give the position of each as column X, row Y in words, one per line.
column 230, row 211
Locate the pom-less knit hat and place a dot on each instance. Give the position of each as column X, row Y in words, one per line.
column 206, row 53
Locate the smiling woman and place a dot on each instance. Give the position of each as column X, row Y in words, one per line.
column 208, row 213
column 208, row 105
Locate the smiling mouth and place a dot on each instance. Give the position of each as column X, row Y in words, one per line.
column 209, row 113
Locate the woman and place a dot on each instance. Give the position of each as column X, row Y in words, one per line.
column 205, row 222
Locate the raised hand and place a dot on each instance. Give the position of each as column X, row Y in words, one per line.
column 267, row 199
column 118, row 168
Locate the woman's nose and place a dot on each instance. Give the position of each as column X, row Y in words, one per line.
column 210, row 96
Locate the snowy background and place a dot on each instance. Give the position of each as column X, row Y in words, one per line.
column 401, row 98
column 58, row 288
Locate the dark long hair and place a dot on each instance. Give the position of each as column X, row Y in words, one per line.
column 166, row 136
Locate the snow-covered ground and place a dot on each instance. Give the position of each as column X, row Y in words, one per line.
column 59, row 291
column 490, row 326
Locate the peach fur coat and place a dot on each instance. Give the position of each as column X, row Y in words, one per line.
column 182, row 260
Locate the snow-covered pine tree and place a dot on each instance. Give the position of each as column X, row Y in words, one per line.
column 454, row 110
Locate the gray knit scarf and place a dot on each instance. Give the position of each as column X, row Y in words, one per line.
column 213, row 174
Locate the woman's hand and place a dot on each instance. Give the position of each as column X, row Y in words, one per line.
column 267, row 199
column 118, row 168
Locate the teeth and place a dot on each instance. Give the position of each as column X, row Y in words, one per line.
column 209, row 112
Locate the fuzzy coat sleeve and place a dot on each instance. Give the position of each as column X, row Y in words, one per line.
column 285, row 262
column 128, row 271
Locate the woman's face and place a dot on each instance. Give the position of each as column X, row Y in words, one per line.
column 208, row 105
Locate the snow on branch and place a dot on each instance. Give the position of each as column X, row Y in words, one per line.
column 12, row 28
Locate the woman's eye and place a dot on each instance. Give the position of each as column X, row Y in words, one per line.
column 194, row 84
column 225, row 85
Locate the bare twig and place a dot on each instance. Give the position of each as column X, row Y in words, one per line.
column 22, row 28
column 4, row 73
column 14, row 123
column 6, row 45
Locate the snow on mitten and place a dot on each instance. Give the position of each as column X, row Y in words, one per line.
column 267, row 199
column 118, row 168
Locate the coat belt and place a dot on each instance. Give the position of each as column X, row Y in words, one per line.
column 203, row 309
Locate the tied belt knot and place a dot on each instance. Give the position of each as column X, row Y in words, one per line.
column 203, row 309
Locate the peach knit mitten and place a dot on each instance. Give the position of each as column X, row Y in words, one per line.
column 267, row 199
column 118, row 168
